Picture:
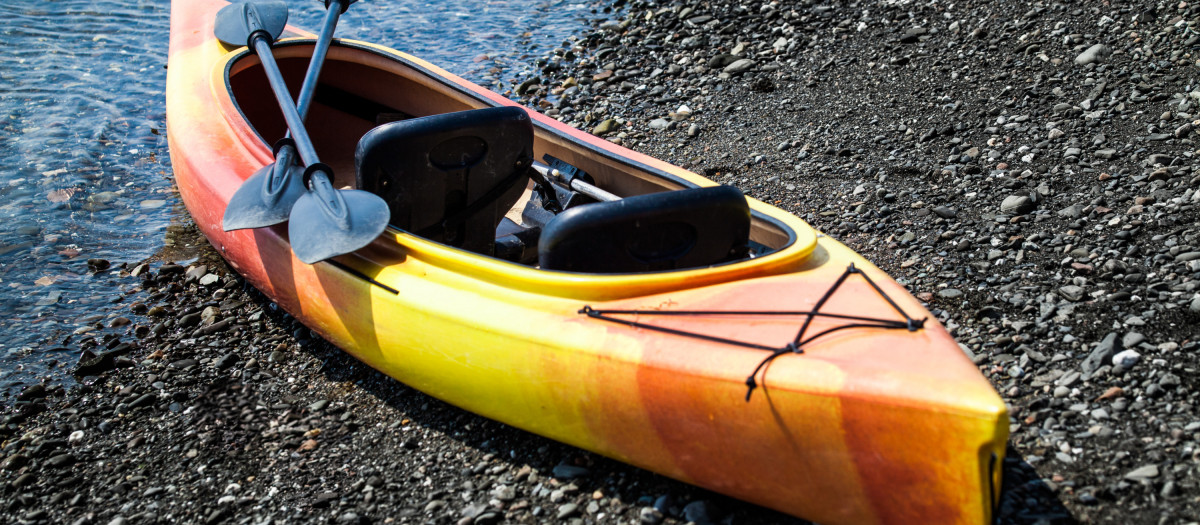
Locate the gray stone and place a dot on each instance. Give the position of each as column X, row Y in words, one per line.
column 1073, row 211
column 722, row 60
column 567, row 472
column 1096, row 53
column 945, row 212
column 1132, row 339
column 567, row 510
column 1143, row 473
column 1103, row 353
column 1017, row 204
column 650, row 516
column 949, row 293
column 699, row 512
column 739, row 66
column 1071, row 292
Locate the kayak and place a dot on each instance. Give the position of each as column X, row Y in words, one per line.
column 652, row 316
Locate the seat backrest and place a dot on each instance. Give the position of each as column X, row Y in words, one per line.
column 449, row 177
column 661, row 231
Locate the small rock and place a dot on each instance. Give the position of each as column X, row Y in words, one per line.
column 1101, row 354
column 14, row 462
column 1126, row 358
column 1071, row 292
column 650, row 516
column 564, row 471
column 567, row 510
column 945, row 212
column 1096, row 53
column 739, row 66
column 949, row 293
column 700, row 512
column 1143, row 473
column 605, row 127
column 1017, row 204
column 61, row 460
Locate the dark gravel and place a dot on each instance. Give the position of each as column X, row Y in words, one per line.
column 1025, row 169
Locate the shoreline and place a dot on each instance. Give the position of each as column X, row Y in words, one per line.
column 906, row 140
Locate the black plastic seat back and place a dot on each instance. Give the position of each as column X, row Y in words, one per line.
column 660, row 231
column 449, row 177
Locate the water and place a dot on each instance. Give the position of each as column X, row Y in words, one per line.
column 84, row 167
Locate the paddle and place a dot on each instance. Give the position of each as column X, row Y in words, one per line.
column 575, row 184
column 266, row 198
column 323, row 222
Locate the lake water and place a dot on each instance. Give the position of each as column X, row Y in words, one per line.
column 84, row 168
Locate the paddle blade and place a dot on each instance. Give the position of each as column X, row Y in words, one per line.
column 236, row 22
column 266, row 198
column 318, row 233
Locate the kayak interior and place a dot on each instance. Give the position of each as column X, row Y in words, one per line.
column 364, row 90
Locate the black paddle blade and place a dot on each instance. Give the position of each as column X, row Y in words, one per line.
column 237, row 22
column 267, row 197
column 326, row 222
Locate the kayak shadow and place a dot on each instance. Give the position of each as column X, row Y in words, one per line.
column 1025, row 498
column 439, row 427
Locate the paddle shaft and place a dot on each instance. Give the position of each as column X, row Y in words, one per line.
column 309, row 88
column 576, row 184
column 295, row 122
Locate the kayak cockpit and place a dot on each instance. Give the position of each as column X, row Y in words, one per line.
column 456, row 169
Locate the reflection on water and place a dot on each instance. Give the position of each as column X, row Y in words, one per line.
column 85, row 184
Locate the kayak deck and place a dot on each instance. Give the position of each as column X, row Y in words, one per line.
column 343, row 111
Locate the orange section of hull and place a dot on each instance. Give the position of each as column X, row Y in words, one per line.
column 868, row 426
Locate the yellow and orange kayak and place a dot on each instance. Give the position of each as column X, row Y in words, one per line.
column 872, row 414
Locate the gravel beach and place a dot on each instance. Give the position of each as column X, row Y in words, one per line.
column 1026, row 169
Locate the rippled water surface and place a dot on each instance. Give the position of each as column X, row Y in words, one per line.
column 84, row 168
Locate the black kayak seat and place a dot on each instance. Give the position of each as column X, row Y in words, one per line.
column 688, row 228
column 449, row 177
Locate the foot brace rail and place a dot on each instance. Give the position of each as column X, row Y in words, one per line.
column 796, row 346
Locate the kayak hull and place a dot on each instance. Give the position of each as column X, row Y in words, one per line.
column 866, row 426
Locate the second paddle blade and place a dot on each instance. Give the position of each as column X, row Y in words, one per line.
column 317, row 233
column 265, row 199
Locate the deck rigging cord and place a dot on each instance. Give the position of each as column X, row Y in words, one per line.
column 795, row 346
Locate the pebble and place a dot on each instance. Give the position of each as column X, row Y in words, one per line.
column 1102, row 353
column 1096, row 53
column 650, row 516
column 1017, row 204
column 568, row 472
column 567, row 510
column 949, row 293
column 739, row 66
column 1143, row 473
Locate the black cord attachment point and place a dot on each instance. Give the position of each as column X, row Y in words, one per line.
column 795, row 346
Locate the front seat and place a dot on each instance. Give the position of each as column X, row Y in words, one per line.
column 449, row 177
